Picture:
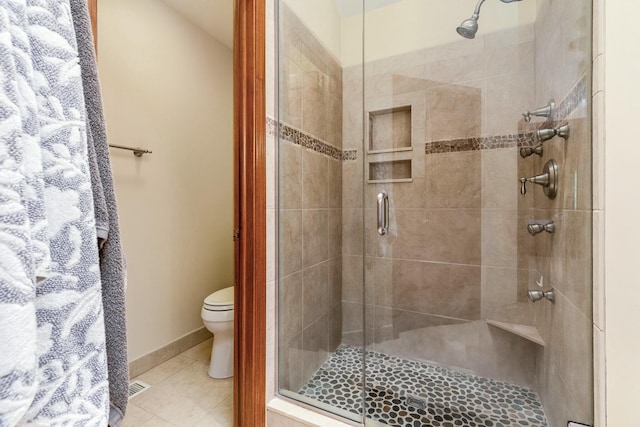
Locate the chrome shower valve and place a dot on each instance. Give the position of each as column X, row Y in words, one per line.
column 546, row 111
column 546, row 134
column 548, row 179
column 528, row 151
column 536, row 295
column 536, row 228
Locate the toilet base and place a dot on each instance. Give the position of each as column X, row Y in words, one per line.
column 221, row 365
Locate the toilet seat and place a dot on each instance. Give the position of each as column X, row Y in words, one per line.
column 217, row 307
column 221, row 300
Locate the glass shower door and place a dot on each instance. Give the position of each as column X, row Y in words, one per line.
column 320, row 227
column 434, row 212
column 476, row 296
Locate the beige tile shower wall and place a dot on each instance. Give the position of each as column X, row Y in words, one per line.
column 310, row 205
column 450, row 259
column 310, row 263
column 563, row 57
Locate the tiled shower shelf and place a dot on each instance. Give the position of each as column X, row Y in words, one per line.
column 390, row 166
column 525, row 331
column 389, row 181
column 390, row 150
column 390, row 171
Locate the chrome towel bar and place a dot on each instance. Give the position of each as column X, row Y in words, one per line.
column 138, row 152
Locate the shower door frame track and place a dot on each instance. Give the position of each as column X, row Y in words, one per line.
column 249, row 393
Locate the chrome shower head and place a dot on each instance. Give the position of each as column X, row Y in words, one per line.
column 469, row 27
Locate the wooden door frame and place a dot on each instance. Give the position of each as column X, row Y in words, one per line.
column 249, row 401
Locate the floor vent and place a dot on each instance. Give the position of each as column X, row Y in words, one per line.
column 137, row 387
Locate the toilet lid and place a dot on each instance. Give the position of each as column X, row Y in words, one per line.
column 220, row 298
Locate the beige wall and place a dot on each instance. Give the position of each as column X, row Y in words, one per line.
column 411, row 25
column 167, row 87
column 402, row 26
column 621, row 206
column 322, row 19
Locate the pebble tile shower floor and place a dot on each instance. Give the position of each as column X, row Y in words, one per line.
column 453, row 398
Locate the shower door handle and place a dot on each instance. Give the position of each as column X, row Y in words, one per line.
column 383, row 213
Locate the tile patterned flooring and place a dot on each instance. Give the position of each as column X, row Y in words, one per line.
column 182, row 394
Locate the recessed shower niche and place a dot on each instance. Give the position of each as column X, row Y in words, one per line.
column 392, row 170
column 390, row 129
column 390, row 148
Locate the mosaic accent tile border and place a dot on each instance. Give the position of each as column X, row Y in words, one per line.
column 299, row 137
column 350, row 155
column 404, row 393
column 482, row 143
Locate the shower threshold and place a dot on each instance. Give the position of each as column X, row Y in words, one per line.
column 402, row 393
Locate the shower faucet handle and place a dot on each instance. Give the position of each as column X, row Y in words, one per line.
column 542, row 179
column 546, row 134
column 528, row 151
column 539, row 227
column 545, row 111
column 523, row 183
column 548, row 179
column 536, row 295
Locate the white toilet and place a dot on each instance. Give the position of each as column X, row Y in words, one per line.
column 217, row 315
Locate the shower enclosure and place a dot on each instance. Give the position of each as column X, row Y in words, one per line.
column 434, row 210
